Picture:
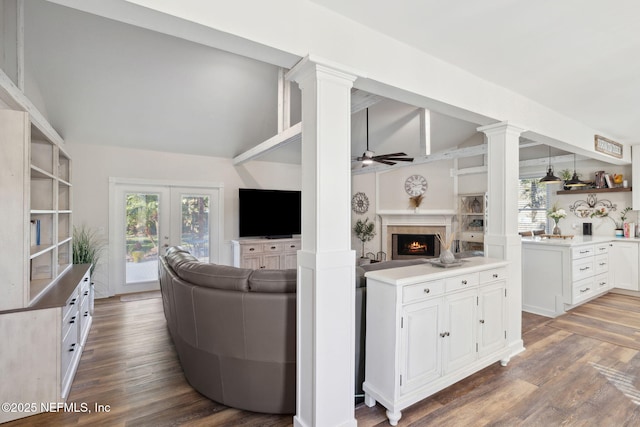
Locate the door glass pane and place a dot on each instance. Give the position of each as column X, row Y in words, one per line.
column 141, row 232
column 195, row 225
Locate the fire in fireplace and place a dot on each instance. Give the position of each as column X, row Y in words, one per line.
column 407, row 246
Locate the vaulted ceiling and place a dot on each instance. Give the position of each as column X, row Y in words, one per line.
column 101, row 81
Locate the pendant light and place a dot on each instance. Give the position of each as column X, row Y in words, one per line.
column 550, row 178
column 575, row 181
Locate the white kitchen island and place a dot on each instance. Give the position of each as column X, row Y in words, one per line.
column 560, row 274
column 429, row 327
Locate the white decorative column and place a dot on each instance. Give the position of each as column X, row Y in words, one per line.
column 502, row 240
column 326, row 263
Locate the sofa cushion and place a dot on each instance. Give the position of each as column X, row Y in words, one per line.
column 281, row 281
column 214, row 275
column 176, row 257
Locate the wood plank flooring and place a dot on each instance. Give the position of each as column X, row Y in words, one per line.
column 580, row 369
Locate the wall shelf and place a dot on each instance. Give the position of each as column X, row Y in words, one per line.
column 595, row 190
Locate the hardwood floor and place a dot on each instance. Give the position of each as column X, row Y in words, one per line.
column 580, row 369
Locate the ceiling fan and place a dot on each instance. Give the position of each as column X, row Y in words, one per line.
column 368, row 157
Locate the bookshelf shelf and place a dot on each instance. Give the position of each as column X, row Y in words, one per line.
column 595, row 190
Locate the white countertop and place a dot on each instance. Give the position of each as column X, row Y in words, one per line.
column 576, row 241
column 427, row 271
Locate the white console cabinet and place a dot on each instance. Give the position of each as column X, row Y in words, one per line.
column 272, row 254
column 428, row 327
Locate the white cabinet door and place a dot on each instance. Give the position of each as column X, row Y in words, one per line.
column 491, row 318
column 421, row 343
column 624, row 265
column 460, row 324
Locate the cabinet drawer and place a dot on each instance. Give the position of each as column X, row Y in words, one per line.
column 422, row 290
column 250, row 249
column 292, row 246
column 71, row 321
column 601, row 264
column 583, row 268
column 273, row 247
column 72, row 303
column 69, row 348
column 582, row 252
column 493, row 274
column 601, row 282
column 477, row 236
column 582, row 290
column 462, row 282
column 602, row 248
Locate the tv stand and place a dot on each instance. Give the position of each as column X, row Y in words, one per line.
column 266, row 253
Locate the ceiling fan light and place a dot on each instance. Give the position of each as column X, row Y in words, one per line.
column 550, row 178
column 367, row 161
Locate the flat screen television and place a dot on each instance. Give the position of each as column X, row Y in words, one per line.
column 269, row 213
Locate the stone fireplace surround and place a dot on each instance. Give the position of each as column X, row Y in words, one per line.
column 418, row 222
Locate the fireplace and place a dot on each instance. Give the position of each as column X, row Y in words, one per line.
column 409, row 246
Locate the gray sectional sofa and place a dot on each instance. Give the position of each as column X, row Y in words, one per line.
column 235, row 329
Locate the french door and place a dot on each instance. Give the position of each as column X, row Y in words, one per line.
column 150, row 217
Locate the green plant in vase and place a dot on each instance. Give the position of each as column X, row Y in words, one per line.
column 556, row 215
column 365, row 231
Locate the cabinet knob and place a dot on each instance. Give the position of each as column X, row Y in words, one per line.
column 495, row 275
column 85, row 279
column 262, row 266
column 73, row 301
column 72, row 347
column 427, row 290
column 273, row 247
column 464, row 282
column 482, row 321
column 444, row 334
column 251, row 249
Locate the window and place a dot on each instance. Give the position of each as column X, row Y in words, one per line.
column 533, row 202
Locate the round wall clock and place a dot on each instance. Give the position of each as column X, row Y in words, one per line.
column 360, row 203
column 415, row 185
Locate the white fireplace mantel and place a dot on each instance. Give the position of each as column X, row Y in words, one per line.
column 417, row 218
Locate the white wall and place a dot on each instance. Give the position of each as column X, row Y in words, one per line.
column 93, row 165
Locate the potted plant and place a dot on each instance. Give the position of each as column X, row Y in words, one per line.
column 365, row 231
column 566, row 175
column 87, row 247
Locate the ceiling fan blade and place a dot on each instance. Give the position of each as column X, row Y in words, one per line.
column 400, row 159
column 386, row 162
column 383, row 156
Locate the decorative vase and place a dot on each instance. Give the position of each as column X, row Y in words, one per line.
column 556, row 230
column 446, row 256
